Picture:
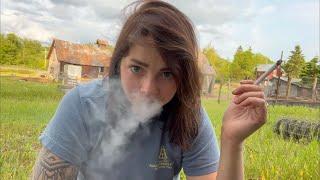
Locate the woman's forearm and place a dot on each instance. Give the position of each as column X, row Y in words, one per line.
column 231, row 161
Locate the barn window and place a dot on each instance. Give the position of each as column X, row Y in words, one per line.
column 101, row 69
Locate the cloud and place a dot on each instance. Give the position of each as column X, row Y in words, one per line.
column 215, row 12
column 226, row 24
column 77, row 3
column 24, row 27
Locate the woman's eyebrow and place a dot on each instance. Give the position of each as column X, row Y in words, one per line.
column 165, row 69
column 140, row 62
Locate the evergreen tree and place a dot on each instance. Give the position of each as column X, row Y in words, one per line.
column 239, row 50
column 310, row 75
column 294, row 66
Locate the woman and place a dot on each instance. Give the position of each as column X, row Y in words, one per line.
column 97, row 135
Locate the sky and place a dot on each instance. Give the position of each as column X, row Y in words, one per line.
column 267, row 26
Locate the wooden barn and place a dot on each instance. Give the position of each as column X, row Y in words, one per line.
column 70, row 63
column 297, row 90
column 208, row 74
column 69, row 60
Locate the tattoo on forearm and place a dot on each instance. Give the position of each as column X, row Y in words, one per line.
column 49, row 166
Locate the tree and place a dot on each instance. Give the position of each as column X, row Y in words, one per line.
column 10, row 47
column 240, row 49
column 21, row 51
column 310, row 75
column 294, row 66
column 243, row 64
column 259, row 58
column 32, row 54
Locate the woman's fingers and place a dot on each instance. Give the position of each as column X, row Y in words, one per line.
column 246, row 95
column 253, row 101
column 246, row 88
column 246, row 82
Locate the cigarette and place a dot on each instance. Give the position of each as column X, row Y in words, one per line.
column 265, row 74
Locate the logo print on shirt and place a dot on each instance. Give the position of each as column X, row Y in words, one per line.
column 163, row 160
column 163, row 153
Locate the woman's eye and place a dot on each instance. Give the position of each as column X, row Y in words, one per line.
column 167, row 75
column 135, row 69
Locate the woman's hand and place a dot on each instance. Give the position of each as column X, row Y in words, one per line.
column 246, row 113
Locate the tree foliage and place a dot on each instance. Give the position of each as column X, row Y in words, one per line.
column 242, row 66
column 295, row 63
column 15, row 50
column 220, row 65
column 261, row 59
column 244, row 63
column 310, row 71
column 294, row 66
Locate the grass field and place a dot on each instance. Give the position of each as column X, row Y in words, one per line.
column 26, row 108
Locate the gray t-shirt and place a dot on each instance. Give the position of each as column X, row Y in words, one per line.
column 81, row 123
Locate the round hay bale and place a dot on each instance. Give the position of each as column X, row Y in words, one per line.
column 297, row 130
column 316, row 132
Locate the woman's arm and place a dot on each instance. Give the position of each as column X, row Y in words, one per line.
column 50, row 166
column 231, row 161
column 246, row 113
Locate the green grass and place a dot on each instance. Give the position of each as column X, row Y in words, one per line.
column 13, row 70
column 268, row 156
column 26, row 108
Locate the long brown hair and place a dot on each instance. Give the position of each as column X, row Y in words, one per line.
column 173, row 35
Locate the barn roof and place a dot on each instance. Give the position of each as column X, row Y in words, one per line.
column 81, row 54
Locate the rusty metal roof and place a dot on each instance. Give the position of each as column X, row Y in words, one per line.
column 80, row 54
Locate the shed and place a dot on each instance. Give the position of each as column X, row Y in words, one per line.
column 297, row 90
column 76, row 61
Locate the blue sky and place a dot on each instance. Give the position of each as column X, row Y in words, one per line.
column 267, row 27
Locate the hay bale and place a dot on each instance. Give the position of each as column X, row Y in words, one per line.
column 297, row 130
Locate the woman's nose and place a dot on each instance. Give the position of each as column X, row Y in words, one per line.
column 149, row 87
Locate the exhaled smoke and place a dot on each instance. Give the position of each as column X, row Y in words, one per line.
column 122, row 120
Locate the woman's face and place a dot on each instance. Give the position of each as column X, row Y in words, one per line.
column 145, row 75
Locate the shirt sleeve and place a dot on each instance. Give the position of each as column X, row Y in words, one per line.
column 203, row 156
column 65, row 135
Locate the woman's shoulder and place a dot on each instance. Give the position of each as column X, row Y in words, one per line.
column 204, row 118
column 92, row 89
column 206, row 128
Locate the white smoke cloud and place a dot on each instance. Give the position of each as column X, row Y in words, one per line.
column 127, row 119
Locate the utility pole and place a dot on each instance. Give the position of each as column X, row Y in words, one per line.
column 278, row 81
